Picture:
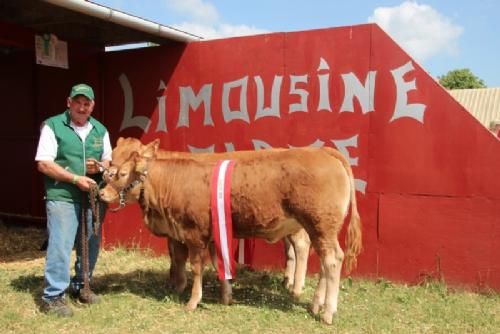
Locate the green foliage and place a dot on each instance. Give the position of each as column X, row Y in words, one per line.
column 461, row 79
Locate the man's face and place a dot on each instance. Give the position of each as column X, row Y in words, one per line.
column 80, row 109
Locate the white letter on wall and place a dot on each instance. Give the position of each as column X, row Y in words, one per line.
column 162, row 109
column 274, row 110
column 317, row 143
column 364, row 94
column 324, row 92
column 342, row 146
column 260, row 145
column 230, row 115
column 188, row 99
column 302, row 105
column 402, row 108
column 209, row 149
column 229, row 147
column 129, row 121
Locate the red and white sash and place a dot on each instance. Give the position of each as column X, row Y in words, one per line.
column 222, row 225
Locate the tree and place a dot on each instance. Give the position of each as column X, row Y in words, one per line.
column 461, row 79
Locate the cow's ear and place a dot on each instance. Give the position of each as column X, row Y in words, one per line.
column 156, row 144
column 141, row 163
column 133, row 156
column 150, row 150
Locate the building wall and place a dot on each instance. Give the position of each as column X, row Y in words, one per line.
column 31, row 93
column 426, row 170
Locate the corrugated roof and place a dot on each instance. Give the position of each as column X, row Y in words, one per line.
column 482, row 103
column 88, row 22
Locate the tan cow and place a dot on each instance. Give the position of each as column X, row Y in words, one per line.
column 296, row 245
column 274, row 193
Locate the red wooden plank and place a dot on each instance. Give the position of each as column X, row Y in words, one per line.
column 428, row 236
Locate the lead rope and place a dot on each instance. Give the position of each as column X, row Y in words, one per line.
column 94, row 204
column 93, row 197
column 85, row 249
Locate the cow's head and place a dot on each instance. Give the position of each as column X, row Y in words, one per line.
column 124, row 186
column 123, row 150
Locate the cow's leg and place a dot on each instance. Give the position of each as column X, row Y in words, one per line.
column 213, row 254
column 339, row 257
column 226, row 288
column 301, row 244
column 332, row 262
column 319, row 293
column 226, row 292
column 178, row 258
column 173, row 267
column 288, row 281
column 326, row 294
column 196, row 259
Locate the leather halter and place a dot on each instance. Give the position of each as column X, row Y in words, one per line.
column 127, row 188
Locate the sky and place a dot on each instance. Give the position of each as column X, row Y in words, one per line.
column 441, row 35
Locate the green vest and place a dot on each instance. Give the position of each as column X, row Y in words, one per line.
column 72, row 153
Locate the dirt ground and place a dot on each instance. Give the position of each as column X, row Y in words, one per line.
column 21, row 241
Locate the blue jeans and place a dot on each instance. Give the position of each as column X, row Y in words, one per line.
column 63, row 219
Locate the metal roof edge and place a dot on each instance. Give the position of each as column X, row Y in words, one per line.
column 124, row 19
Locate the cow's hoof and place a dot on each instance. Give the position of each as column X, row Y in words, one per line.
column 315, row 308
column 296, row 294
column 288, row 284
column 180, row 287
column 190, row 307
column 226, row 300
column 327, row 318
column 171, row 286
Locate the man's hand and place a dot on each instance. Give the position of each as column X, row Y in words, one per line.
column 84, row 183
column 92, row 166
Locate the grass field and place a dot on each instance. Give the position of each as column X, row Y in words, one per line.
column 136, row 300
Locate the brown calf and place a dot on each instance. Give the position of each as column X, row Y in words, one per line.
column 296, row 245
column 274, row 193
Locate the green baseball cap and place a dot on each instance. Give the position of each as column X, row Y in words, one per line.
column 82, row 89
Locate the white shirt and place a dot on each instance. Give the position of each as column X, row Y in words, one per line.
column 47, row 145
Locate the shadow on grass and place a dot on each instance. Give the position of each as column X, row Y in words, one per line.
column 250, row 288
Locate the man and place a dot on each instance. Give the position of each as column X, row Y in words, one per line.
column 70, row 146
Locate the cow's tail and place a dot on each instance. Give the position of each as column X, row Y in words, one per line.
column 353, row 240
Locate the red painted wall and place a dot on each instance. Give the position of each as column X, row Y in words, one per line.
column 31, row 93
column 426, row 170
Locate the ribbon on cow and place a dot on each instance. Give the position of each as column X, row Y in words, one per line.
column 222, row 225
